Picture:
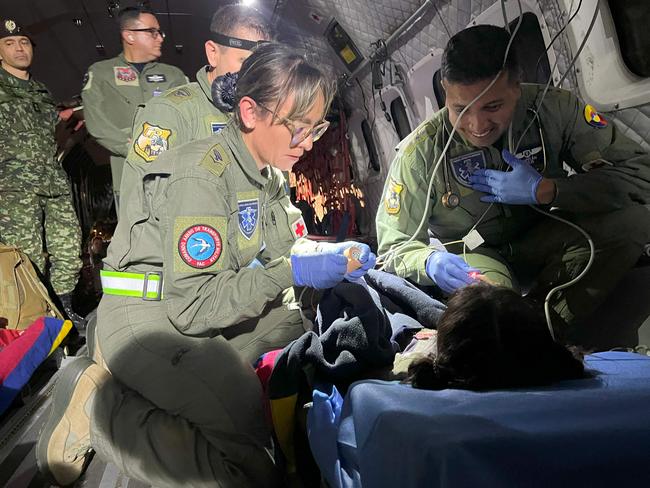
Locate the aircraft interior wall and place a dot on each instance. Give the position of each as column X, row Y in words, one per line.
column 367, row 21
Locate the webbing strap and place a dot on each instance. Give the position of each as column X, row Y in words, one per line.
column 147, row 286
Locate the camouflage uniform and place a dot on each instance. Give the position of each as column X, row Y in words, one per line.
column 605, row 198
column 35, row 197
column 112, row 91
column 220, row 232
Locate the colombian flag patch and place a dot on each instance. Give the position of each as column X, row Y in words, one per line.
column 593, row 118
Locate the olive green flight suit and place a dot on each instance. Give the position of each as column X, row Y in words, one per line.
column 220, row 232
column 176, row 117
column 111, row 93
column 35, row 201
column 604, row 196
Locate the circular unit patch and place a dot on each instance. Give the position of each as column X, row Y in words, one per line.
column 200, row 246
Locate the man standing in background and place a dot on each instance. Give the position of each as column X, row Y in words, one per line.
column 114, row 88
column 36, row 212
column 189, row 113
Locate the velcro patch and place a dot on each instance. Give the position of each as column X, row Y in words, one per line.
column 593, row 118
column 464, row 165
column 152, row 141
column 180, row 95
column 216, row 127
column 216, row 160
column 126, row 76
column 299, row 228
column 199, row 244
column 248, row 217
column 392, row 201
column 157, row 78
column 533, row 156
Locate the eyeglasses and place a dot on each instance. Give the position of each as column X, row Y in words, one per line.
column 299, row 134
column 153, row 32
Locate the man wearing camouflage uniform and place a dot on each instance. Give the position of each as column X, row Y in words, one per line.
column 114, row 88
column 475, row 199
column 35, row 200
column 187, row 113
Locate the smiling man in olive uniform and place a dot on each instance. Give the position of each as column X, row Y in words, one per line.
column 114, row 88
column 35, row 201
column 511, row 127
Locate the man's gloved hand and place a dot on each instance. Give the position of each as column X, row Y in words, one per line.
column 366, row 257
column 318, row 270
column 518, row 186
column 449, row 271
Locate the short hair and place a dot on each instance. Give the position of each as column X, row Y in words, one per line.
column 129, row 15
column 229, row 18
column 276, row 72
column 490, row 337
column 477, row 53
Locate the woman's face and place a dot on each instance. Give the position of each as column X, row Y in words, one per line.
column 270, row 139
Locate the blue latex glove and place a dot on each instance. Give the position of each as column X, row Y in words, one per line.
column 367, row 258
column 319, row 270
column 449, row 271
column 518, row 186
column 323, row 420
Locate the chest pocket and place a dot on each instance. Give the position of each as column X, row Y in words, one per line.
column 283, row 225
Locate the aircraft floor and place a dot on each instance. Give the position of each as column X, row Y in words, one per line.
column 18, row 436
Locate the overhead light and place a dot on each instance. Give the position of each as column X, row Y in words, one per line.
column 248, row 2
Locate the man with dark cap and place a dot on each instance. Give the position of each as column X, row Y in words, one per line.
column 114, row 88
column 36, row 212
column 187, row 113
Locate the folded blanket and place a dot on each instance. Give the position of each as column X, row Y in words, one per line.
column 20, row 358
column 408, row 307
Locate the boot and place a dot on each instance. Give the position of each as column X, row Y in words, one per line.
column 63, row 449
column 69, row 313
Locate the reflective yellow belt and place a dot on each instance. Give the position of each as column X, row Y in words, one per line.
column 147, row 286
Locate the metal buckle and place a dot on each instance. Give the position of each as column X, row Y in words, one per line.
column 146, row 283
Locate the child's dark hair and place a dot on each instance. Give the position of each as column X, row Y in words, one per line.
column 490, row 337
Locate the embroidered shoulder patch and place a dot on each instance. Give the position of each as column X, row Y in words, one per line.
column 299, row 228
column 156, row 78
column 152, row 141
column 464, row 165
column 248, row 216
column 216, row 160
column 593, row 118
column 180, row 95
column 199, row 246
column 392, row 201
column 217, row 127
column 126, row 76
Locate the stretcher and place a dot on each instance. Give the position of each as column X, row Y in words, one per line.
column 589, row 432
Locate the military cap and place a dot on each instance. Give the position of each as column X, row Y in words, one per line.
column 9, row 27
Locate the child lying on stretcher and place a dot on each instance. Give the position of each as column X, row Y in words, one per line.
column 488, row 338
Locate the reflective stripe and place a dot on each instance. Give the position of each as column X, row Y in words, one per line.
column 131, row 284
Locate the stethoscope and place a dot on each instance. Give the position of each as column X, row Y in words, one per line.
column 451, row 199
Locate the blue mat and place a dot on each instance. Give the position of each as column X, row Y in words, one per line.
column 590, row 432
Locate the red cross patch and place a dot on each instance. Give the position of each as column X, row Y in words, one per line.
column 299, row 228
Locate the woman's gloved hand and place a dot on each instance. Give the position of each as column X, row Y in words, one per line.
column 366, row 257
column 318, row 270
column 449, row 271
